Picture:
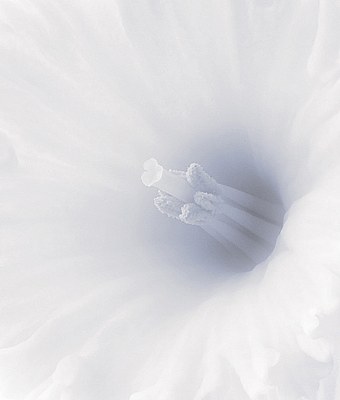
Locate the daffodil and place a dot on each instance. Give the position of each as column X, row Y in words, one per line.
column 233, row 109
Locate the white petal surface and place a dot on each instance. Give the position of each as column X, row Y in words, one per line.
column 101, row 296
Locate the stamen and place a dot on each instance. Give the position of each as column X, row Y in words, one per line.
column 260, row 227
column 168, row 205
column 240, row 221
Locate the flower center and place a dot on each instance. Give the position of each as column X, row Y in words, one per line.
column 243, row 223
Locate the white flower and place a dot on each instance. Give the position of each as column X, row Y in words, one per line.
column 102, row 297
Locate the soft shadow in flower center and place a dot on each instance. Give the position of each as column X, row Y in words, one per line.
column 243, row 223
